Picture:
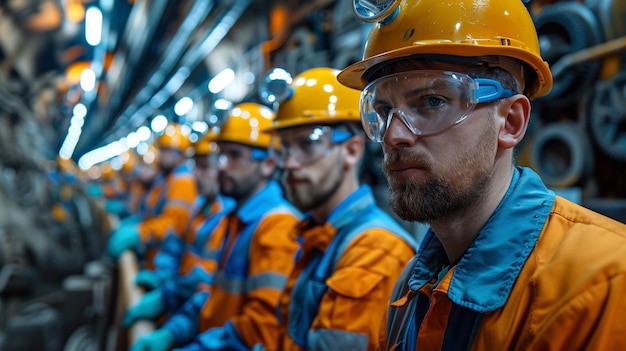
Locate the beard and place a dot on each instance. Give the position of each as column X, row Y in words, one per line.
column 310, row 195
column 239, row 188
column 448, row 189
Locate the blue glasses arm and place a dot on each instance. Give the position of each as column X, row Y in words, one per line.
column 490, row 90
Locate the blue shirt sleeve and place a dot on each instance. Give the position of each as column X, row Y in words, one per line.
column 184, row 323
column 180, row 289
column 217, row 339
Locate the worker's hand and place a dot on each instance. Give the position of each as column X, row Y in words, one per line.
column 158, row 340
column 122, row 239
column 149, row 307
column 115, row 207
column 148, row 279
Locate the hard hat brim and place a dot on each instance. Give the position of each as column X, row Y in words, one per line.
column 356, row 75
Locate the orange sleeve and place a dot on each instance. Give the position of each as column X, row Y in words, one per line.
column 177, row 211
column 593, row 320
column 271, row 255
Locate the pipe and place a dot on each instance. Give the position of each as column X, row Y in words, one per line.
column 591, row 53
column 130, row 295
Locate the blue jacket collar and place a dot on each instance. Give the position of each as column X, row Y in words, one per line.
column 183, row 168
column 484, row 276
column 257, row 205
column 344, row 213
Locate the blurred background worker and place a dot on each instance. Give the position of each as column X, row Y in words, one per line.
column 63, row 180
column 184, row 263
column 144, row 173
column 256, row 255
column 168, row 204
column 118, row 187
column 112, row 184
column 352, row 251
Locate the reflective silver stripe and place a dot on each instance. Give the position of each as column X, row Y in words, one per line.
column 231, row 286
column 179, row 204
column 332, row 339
column 267, row 280
column 259, row 281
column 210, row 254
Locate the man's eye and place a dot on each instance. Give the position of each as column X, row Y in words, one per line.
column 306, row 145
column 234, row 155
column 434, row 101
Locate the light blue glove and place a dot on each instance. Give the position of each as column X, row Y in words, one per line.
column 149, row 307
column 116, row 207
column 148, row 279
column 158, row 340
column 122, row 239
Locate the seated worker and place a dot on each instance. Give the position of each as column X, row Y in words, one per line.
column 168, row 203
column 184, row 263
column 144, row 173
column 352, row 251
column 256, row 256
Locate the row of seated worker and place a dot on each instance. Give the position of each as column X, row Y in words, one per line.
column 123, row 182
column 269, row 241
column 304, row 259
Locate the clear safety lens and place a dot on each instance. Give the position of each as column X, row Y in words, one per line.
column 236, row 157
column 307, row 145
column 427, row 102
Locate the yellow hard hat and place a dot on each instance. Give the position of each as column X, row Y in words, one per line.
column 245, row 123
column 466, row 28
column 206, row 144
column 317, row 97
column 173, row 137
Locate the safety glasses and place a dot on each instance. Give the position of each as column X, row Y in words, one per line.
column 426, row 101
column 240, row 156
column 306, row 145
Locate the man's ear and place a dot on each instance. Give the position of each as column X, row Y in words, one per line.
column 354, row 148
column 268, row 167
column 516, row 113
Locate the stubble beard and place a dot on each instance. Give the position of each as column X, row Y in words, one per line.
column 316, row 195
column 446, row 191
column 239, row 188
